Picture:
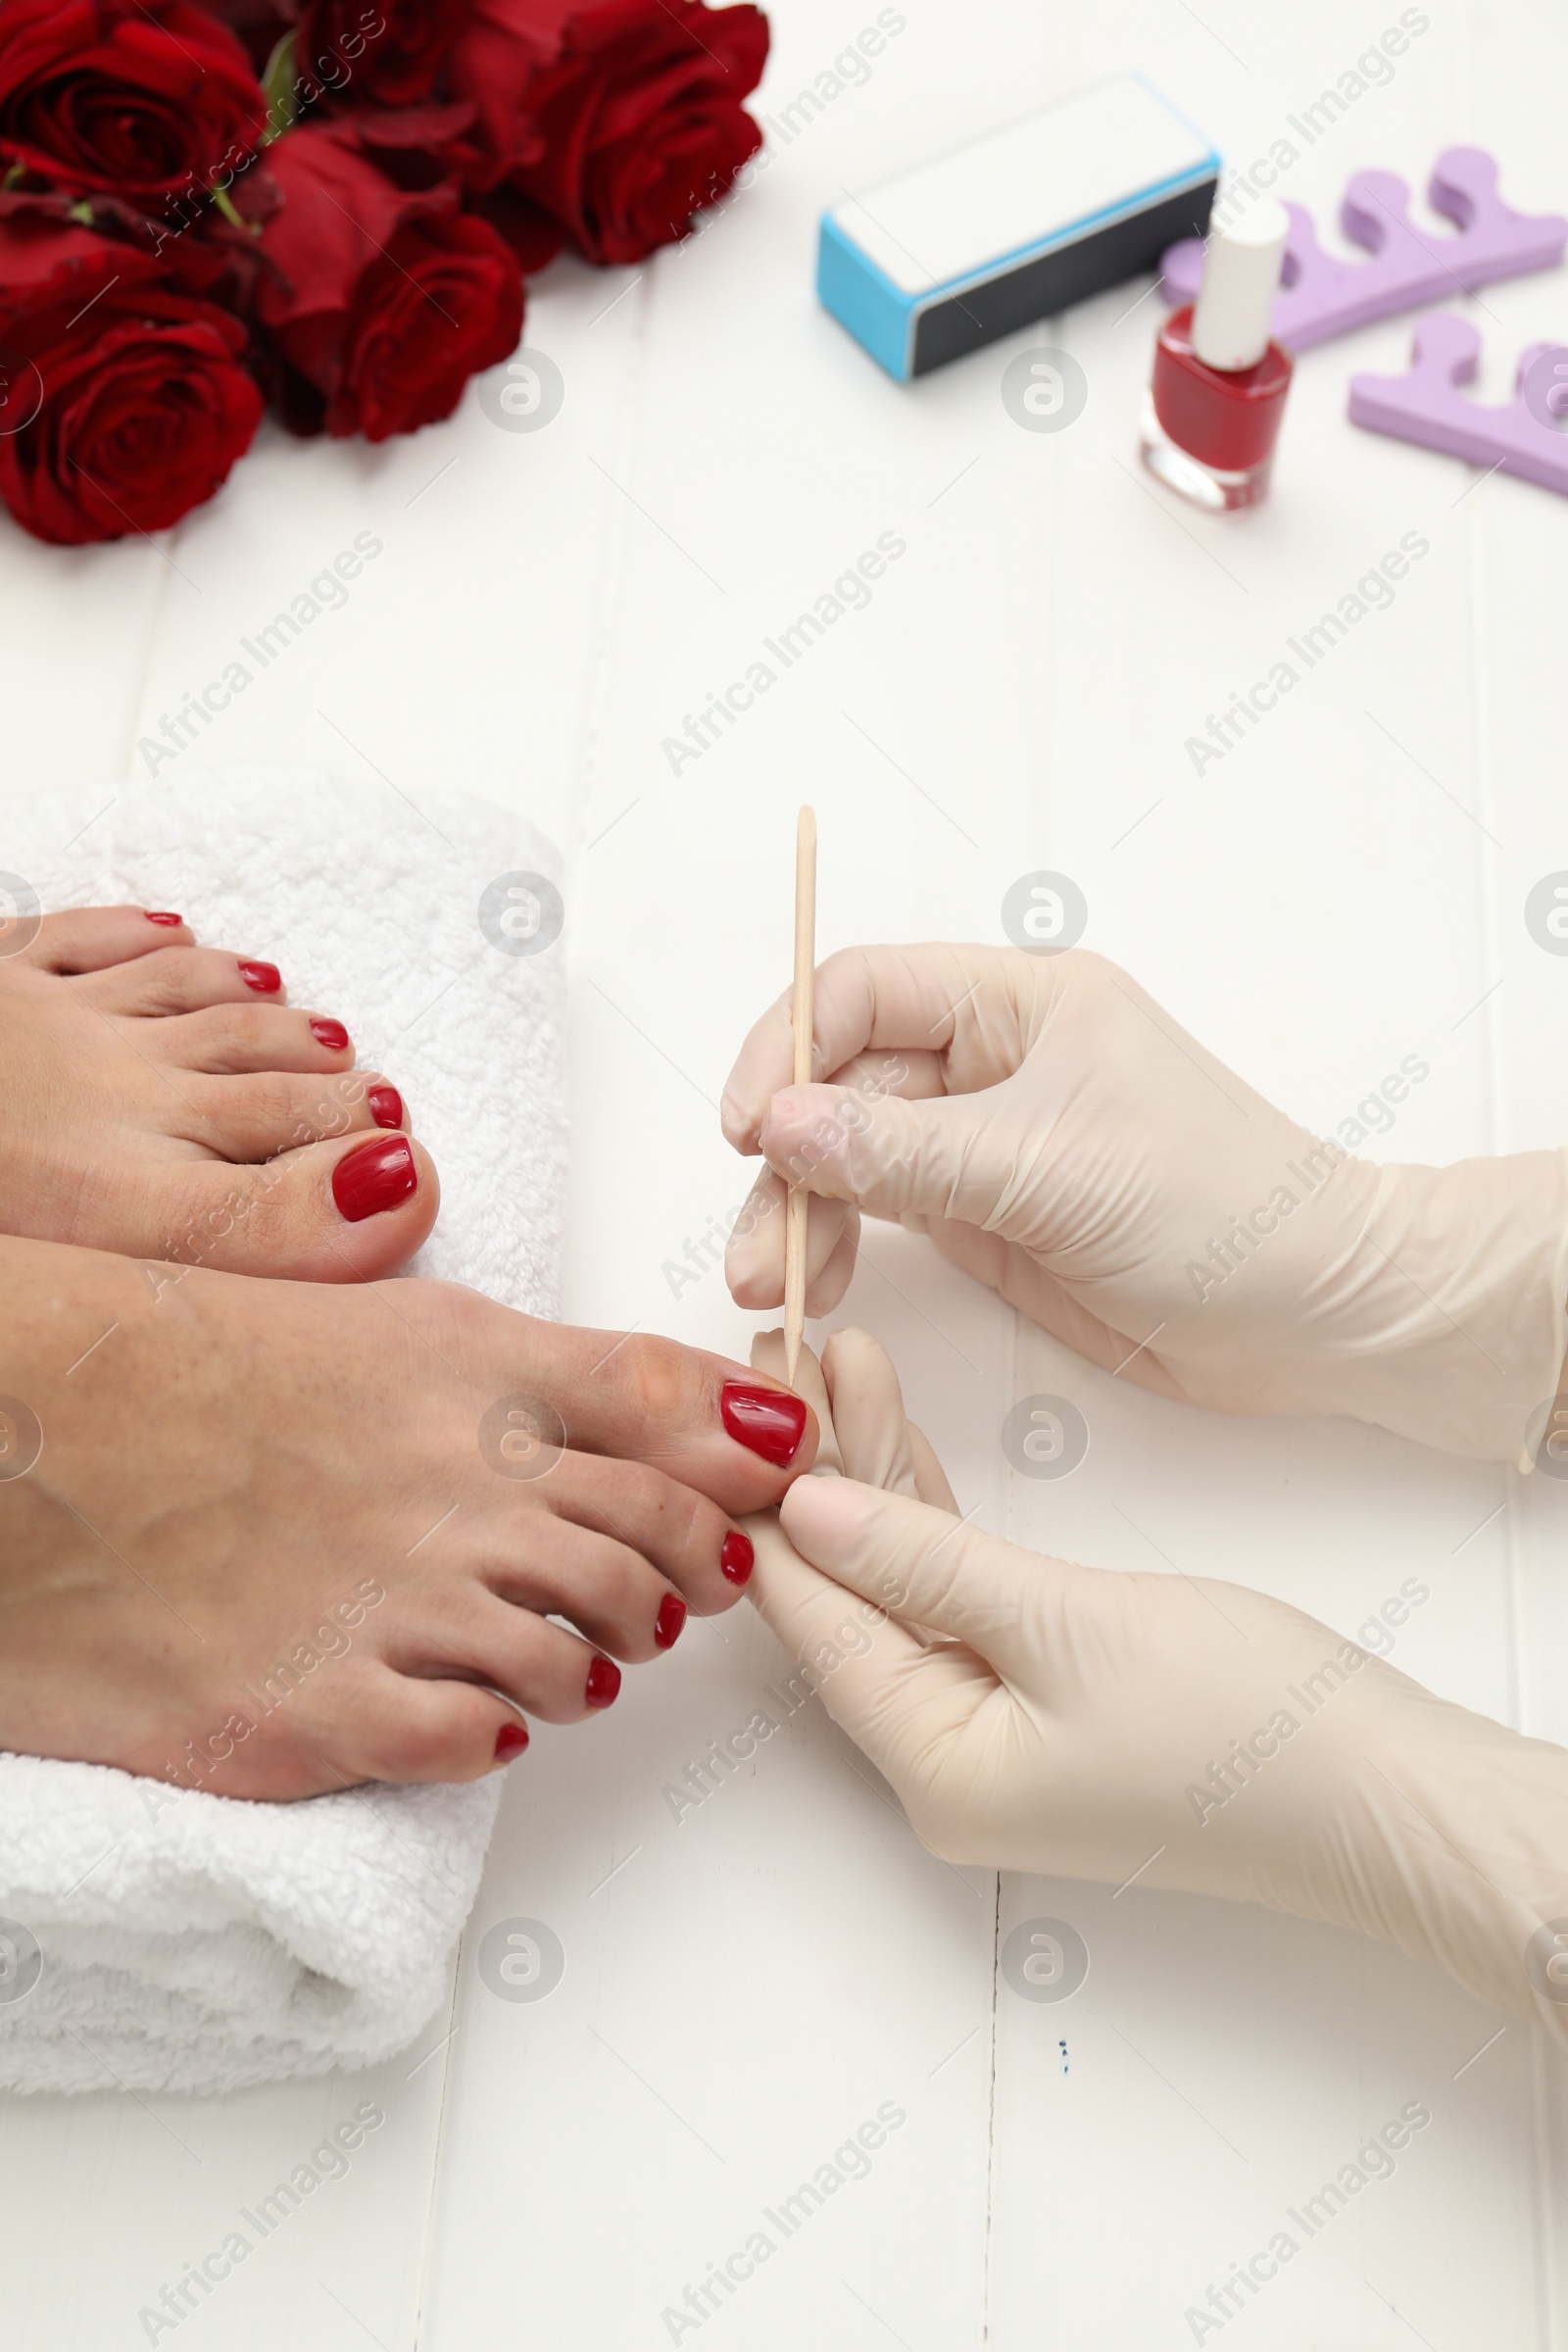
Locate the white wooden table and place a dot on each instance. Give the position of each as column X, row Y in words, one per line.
column 746, row 1987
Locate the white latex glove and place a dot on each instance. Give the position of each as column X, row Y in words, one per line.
column 1060, row 1136
column 1084, row 1724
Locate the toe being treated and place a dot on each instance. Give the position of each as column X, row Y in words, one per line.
column 702, row 1420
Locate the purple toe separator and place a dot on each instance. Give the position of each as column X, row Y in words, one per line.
column 1322, row 295
column 1520, row 437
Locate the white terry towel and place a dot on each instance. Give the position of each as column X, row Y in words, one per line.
column 196, row 1942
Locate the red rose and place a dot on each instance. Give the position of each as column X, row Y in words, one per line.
column 418, row 146
column 620, row 118
column 258, row 24
column 140, row 98
column 378, row 52
column 381, row 302
column 125, row 401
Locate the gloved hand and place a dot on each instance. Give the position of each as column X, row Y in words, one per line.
column 1060, row 1136
column 1084, row 1723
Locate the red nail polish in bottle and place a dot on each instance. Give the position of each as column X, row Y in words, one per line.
column 1219, row 392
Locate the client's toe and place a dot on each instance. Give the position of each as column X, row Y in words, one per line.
column 92, row 939
column 351, row 1210
column 174, row 980
column 401, row 1729
column 253, row 1118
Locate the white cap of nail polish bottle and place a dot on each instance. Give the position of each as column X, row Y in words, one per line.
column 1240, row 278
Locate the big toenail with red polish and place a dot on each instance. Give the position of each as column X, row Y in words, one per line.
column 736, row 1556
column 770, row 1421
column 668, row 1624
column 604, row 1681
column 386, row 1105
column 510, row 1741
column 265, row 978
column 373, row 1178
column 170, row 922
column 330, row 1034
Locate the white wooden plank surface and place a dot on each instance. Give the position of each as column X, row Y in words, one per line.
column 744, row 1986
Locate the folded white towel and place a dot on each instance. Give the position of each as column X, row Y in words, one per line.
column 194, row 1942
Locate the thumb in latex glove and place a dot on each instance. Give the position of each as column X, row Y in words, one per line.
column 863, row 1430
column 1059, row 1135
column 1084, row 1724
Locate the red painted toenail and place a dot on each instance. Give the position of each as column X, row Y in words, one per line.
column 330, row 1034
column 770, row 1421
column 736, row 1556
column 375, row 1177
column 604, row 1681
column 171, row 922
column 265, row 978
column 510, row 1741
column 386, row 1105
column 668, row 1624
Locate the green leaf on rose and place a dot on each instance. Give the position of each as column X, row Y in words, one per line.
column 231, row 213
column 277, row 88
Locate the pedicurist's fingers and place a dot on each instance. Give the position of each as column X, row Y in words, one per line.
column 872, row 1656
column 890, row 1157
column 711, row 1425
column 182, row 980
column 411, row 1729
column 824, row 1294
column 802, row 1607
column 930, row 1479
column 962, row 1002
column 859, row 1404
column 87, row 938
column 921, row 1563
column 768, row 1354
column 255, row 1035
column 680, row 1539
column 917, row 1075
column 870, row 1438
column 764, row 1063
column 867, row 1404
column 754, row 1257
column 466, row 1632
column 875, row 1675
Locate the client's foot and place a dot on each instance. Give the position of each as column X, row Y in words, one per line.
column 162, row 1100
column 266, row 1539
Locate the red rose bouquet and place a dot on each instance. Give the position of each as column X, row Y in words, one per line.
column 325, row 205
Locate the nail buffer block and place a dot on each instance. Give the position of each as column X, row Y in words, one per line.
column 1017, row 226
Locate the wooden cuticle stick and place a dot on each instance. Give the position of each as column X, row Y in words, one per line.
column 801, row 1019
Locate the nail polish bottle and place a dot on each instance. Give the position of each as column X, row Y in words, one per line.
column 1219, row 392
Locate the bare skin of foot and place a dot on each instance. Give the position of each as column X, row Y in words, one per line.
column 164, row 1100
column 270, row 1539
